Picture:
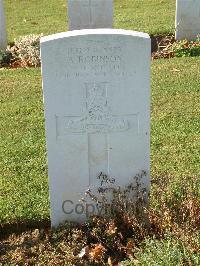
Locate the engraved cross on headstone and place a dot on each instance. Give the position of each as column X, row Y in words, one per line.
column 89, row 14
column 90, row 5
column 97, row 119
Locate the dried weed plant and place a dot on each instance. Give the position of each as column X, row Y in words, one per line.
column 26, row 51
column 121, row 234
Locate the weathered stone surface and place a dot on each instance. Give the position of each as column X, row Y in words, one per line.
column 96, row 87
column 90, row 14
column 187, row 19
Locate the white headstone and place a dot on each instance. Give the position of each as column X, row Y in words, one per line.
column 3, row 37
column 187, row 19
column 96, row 86
column 90, row 14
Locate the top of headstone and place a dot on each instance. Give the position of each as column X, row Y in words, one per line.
column 94, row 32
column 90, row 14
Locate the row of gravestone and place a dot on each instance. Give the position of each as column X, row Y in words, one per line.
column 99, row 14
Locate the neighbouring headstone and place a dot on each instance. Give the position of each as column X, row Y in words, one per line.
column 3, row 36
column 90, row 14
column 187, row 19
column 96, row 86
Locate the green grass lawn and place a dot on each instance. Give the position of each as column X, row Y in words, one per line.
column 23, row 187
column 50, row 16
column 174, row 135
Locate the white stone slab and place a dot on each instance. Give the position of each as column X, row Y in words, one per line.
column 90, row 14
column 3, row 36
column 96, row 87
column 187, row 19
